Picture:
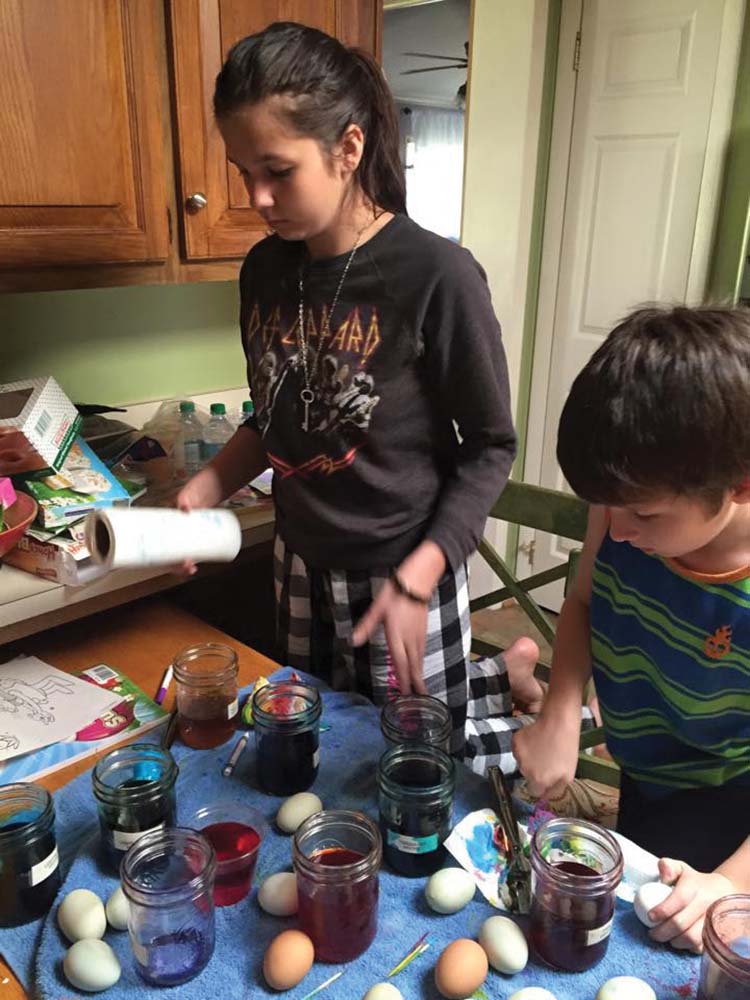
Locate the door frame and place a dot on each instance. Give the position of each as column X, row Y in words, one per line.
column 540, row 345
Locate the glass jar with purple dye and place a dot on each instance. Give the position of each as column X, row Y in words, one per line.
column 725, row 966
column 576, row 869
column 286, row 716
column 168, row 878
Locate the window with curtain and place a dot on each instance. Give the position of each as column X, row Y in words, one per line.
column 434, row 154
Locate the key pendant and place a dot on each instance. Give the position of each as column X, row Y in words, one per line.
column 307, row 397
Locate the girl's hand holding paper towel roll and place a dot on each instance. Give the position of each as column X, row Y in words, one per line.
column 132, row 537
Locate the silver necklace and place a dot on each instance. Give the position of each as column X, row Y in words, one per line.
column 303, row 342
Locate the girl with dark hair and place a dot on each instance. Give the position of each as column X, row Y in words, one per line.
column 379, row 379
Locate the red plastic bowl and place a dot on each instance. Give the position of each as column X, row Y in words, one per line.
column 18, row 517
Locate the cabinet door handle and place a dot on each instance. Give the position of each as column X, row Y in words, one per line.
column 195, row 202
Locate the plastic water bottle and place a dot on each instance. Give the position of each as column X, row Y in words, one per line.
column 248, row 409
column 189, row 443
column 217, row 431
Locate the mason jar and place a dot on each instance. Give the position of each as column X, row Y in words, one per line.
column 206, row 688
column 286, row 718
column 576, row 869
column 336, row 855
column 725, row 965
column 416, row 718
column 29, row 865
column 168, row 879
column 415, row 798
column 134, row 789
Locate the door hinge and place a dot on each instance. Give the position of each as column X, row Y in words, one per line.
column 528, row 550
column 577, row 53
column 169, row 224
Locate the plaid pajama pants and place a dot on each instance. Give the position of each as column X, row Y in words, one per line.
column 317, row 611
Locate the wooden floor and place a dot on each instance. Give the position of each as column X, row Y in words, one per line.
column 506, row 624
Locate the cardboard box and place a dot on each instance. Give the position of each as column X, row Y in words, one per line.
column 37, row 426
column 60, row 559
column 83, row 484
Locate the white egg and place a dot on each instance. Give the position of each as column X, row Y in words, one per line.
column 118, row 910
column 383, row 991
column 533, row 993
column 648, row 896
column 91, row 965
column 81, row 915
column 278, row 894
column 449, row 890
column 625, row 988
column 296, row 809
column 505, row 944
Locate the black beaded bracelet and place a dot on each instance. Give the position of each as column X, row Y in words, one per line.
column 402, row 589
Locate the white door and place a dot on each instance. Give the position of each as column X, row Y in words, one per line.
column 622, row 213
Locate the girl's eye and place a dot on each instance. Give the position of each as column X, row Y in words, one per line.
column 285, row 172
column 644, row 517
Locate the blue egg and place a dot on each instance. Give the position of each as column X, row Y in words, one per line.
column 146, row 770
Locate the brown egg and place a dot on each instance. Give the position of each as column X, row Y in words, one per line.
column 461, row 969
column 288, row 959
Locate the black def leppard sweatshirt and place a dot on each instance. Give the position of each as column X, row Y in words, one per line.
column 409, row 435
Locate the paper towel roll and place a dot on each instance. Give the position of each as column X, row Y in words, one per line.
column 122, row 537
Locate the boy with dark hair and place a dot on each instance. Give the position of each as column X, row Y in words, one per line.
column 655, row 435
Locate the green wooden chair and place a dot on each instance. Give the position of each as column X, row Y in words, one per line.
column 559, row 514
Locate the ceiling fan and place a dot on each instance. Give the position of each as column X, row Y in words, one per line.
column 454, row 62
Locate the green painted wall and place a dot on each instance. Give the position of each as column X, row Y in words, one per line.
column 125, row 345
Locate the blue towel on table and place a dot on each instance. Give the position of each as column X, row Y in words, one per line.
column 349, row 754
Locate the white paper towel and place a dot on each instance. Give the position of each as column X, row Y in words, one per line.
column 122, row 537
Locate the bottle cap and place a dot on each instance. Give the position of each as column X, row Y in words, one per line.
column 248, row 407
column 187, row 406
column 218, row 408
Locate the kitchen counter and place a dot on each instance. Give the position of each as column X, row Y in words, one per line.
column 29, row 604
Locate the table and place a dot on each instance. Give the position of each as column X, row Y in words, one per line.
column 140, row 640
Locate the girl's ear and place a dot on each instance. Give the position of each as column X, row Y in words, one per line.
column 348, row 150
column 741, row 493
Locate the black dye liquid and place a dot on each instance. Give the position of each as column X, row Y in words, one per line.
column 413, row 831
column 20, row 901
column 287, row 764
column 133, row 817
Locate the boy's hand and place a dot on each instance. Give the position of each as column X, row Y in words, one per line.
column 547, row 753
column 680, row 917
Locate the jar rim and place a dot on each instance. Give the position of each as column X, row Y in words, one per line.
column 580, row 829
column 156, row 843
column 354, row 872
column 181, row 664
column 122, row 757
column 289, row 720
column 435, row 710
column 424, row 752
column 716, row 948
column 19, row 790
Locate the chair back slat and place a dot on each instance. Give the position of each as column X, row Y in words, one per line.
column 542, row 509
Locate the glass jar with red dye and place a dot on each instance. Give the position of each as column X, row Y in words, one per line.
column 235, row 831
column 286, row 718
column 725, row 966
column 207, row 705
column 337, row 855
column 576, row 868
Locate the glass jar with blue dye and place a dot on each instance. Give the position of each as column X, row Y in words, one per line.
column 134, row 788
column 168, row 878
column 286, row 716
column 29, row 865
column 415, row 797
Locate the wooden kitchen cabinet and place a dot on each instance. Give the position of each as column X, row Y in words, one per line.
column 82, row 175
column 106, row 131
